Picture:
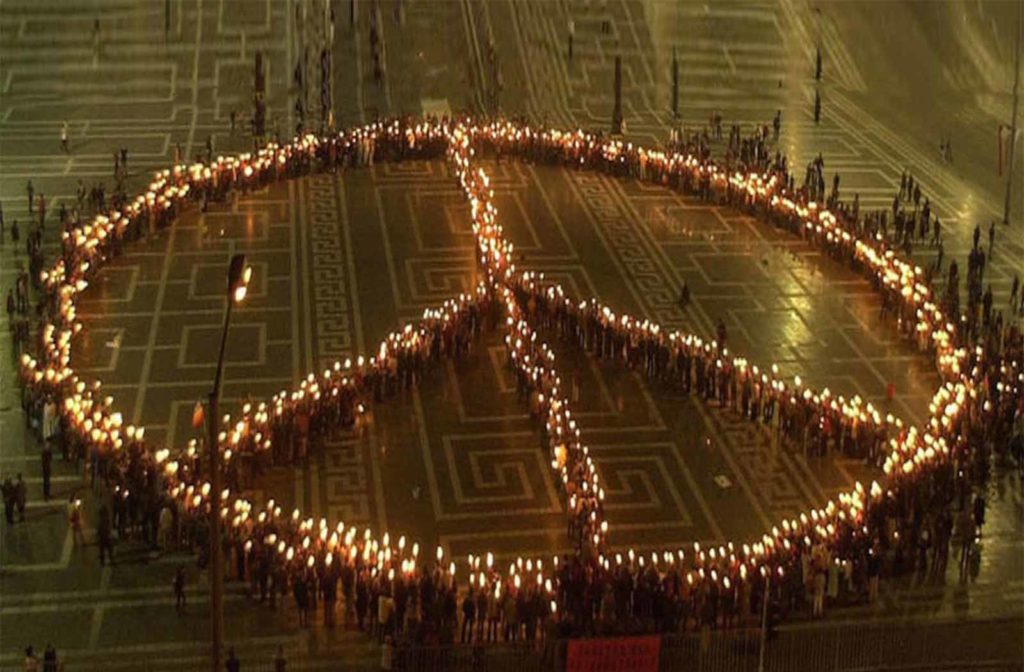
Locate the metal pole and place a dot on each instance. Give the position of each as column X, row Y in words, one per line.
column 1013, row 120
column 497, row 84
column 675, row 85
column 764, row 621
column 329, row 23
column 617, row 110
column 304, row 50
column 216, row 561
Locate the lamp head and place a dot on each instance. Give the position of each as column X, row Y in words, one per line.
column 239, row 275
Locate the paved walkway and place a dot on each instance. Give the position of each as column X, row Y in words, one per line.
column 340, row 261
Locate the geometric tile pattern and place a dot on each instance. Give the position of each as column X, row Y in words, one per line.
column 340, row 261
column 478, row 472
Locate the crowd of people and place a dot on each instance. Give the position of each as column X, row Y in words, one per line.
column 815, row 422
column 837, row 550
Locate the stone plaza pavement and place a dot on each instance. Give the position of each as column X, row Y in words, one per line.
column 339, row 261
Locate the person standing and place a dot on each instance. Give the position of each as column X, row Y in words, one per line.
column 20, row 497
column 300, row 591
column 817, row 107
column 329, row 588
column 47, row 459
column 50, row 659
column 979, row 506
column 50, row 425
column 362, row 600
column 31, row 195
column 232, row 664
column 468, row 616
column 31, row 662
column 179, row 588
column 385, row 615
column 280, row 662
column 21, row 293
column 75, row 519
column 64, row 138
column 7, row 489
column 819, row 588
column 105, row 537
column 874, row 569
column 481, row 613
column 12, row 306
column 965, row 533
column 96, row 43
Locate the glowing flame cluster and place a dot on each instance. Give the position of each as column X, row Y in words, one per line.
column 303, row 541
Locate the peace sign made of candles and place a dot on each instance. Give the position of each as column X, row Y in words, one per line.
column 913, row 452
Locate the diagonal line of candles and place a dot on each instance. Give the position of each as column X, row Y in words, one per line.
column 766, row 389
column 92, row 419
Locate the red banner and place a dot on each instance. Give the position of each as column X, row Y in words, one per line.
column 620, row 654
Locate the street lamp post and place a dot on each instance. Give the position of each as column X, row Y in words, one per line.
column 675, row 85
column 1013, row 120
column 617, row 109
column 238, row 283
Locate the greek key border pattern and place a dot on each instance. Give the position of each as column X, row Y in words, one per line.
column 331, row 299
